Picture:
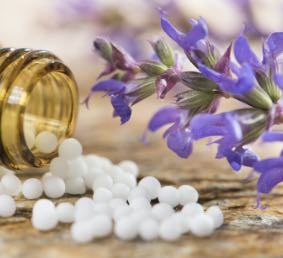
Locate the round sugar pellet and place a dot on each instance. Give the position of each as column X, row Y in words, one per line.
column 126, row 179
column 5, row 171
column 30, row 138
column 181, row 221
column 65, row 212
column 70, row 149
column 101, row 225
column 139, row 215
column 202, row 225
column 115, row 172
column 137, row 192
column 120, row 191
column 102, row 194
column 59, row 167
column 92, row 160
column 169, row 195
column 162, row 211
column 102, row 208
column 151, row 185
column 187, row 194
column 102, row 181
column 121, row 211
column 130, row 167
column 192, row 209
column 54, row 187
column 32, row 188
column 44, row 216
column 77, row 168
column 2, row 189
column 84, row 212
column 216, row 215
column 91, row 175
column 117, row 202
column 140, row 203
column 46, row 175
column 168, row 230
column 46, row 142
column 126, row 228
column 12, row 184
column 7, row 206
column 75, row 185
column 149, row 229
column 84, row 202
column 81, row 232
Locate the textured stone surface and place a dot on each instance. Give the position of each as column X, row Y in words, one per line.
column 247, row 232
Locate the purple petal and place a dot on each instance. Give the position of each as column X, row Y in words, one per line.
column 269, row 179
column 272, row 137
column 171, row 31
column 180, row 142
column 163, row 117
column 268, row 164
column 121, row 108
column 278, row 78
column 275, row 43
column 244, row 83
column 249, row 158
column 109, row 86
column 234, row 159
column 243, row 53
column 165, row 83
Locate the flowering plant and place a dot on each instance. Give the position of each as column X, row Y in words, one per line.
column 193, row 116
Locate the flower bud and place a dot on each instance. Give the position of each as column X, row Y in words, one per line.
column 195, row 101
column 197, row 81
column 257, row 98
column 153, row 68
column 268, row 85
column 104, row 48
column 164, row 51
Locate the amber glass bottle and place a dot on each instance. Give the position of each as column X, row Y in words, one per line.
column 37, row 93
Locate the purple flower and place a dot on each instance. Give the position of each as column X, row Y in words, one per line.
column 189, row 40
column 178, row 135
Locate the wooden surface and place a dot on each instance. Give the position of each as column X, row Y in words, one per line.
column 247, row 232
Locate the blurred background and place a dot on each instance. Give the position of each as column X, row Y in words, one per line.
column 68, row 28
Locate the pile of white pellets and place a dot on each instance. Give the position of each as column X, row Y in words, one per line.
column 120, row 204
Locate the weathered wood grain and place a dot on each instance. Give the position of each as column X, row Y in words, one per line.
column 247, row 232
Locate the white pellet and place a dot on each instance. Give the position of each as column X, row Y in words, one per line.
column 2, row 189
column 46, row 142
column 46, row 175
column 59, row 167
column 92, row 160
column 44, row 216
column 120, row 191
column 12, row 184
column 7, row 206
column 102, row 208
column 126, row 228
column 65, row 212
column 187, row 194
column 216, row 215
column 75, row 185
column 77, row 168
column 130, row 167
column 181, row 221
column 149, row 229
column 54, row 187
column 84, row 212
column 121, row 211
column 102, row 194
column 151, row 185
column 137, row 192
column 140, row 203
column 30, row 138
column 102, row 181
column 162, row 211
column 168, row 230
column 81, row 232
column 101, row 225
column 91, row 175
column 169, row 195
column 139, row 215
column 5, row 171
column 192, row 209
column 32, row 188
column 117, row 202
column 70, row 149
column 202, row 225
column 115, row 172
column 127, row 179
